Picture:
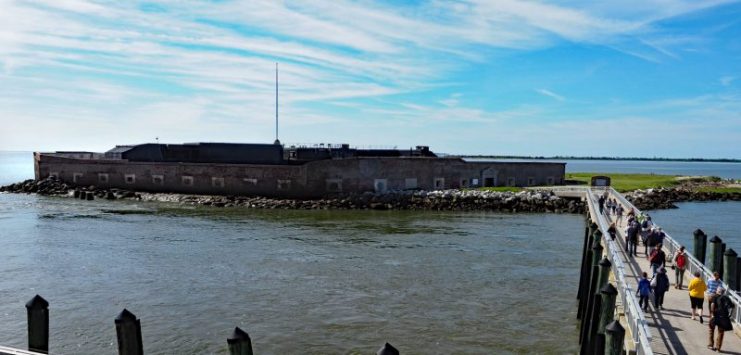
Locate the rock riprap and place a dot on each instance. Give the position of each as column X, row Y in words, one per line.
column 442, row 200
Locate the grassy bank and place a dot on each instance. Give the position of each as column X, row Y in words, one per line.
column 630, row 182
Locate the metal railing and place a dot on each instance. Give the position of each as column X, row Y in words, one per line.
column 694, row 265
column 635, row 319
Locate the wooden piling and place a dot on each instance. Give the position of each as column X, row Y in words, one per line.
column 37, row 310
column 239, row 343
column 586, row 271
column 700, row 243
column 729, row 269
column 608, row 293
column 614, row 338
column 129, row 334
column 715, row 259
column 596, row 309
column 596, row 254
column 387, row 349
column 738, row 274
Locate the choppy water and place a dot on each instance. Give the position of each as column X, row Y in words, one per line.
column 313, row 282
column 714, row 218
column 297, row 281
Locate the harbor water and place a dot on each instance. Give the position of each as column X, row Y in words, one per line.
column 314, row 282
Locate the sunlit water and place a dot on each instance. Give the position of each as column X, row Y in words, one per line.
column 297, row 281
column 318, row 282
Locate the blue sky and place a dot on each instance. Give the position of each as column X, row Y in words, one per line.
column 623, row 78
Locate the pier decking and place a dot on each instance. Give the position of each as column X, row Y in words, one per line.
column 671, row 330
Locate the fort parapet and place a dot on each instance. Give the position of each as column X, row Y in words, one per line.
column 275, row 171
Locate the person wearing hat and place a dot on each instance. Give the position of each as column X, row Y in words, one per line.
column 720, row 313
column 662, row 286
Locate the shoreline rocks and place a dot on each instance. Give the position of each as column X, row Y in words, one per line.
column 664, row 198
column 442, row 200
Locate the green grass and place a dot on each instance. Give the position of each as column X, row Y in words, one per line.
column 630, row 182
column 719, row 190
column 501, row 189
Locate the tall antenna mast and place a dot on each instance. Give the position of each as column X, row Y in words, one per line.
column 276, row 105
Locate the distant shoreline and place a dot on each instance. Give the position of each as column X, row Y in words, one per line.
column 686, row 160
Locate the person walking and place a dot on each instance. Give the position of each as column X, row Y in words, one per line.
column 632, row 239
column 696, row 289
column 720, row 313
column 643, row 291
column 713, row 285
column 601, row 202
column 612, row 231
column 619, row 213
column 657, row 259
column 662, row 286
column 680, row 264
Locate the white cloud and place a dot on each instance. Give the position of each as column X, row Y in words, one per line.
column 551, row 94
column 91, row 62
column 727, row 80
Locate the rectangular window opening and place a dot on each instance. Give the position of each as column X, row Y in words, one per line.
column 284, row 184
column 158, row 179
column 186, row 180
column 217, row 181
column 129, row 178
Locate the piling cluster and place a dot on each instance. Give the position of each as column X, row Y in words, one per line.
column 129, row 333
column 600, row 332
column 719, row 259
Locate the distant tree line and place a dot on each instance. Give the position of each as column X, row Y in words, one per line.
column 562, row 157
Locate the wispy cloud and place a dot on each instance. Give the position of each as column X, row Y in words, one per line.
column 726, row 80
column 105, row 63
column 550, row 94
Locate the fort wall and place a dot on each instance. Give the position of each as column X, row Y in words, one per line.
column 311, row 179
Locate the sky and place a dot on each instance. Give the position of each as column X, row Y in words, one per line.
column 648, row 78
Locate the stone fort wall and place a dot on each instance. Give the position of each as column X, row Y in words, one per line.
column 312, row 179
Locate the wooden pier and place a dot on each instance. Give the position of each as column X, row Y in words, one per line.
column 668, row 331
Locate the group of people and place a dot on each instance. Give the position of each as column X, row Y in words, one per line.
column 719, row 307
column 611, row 206
column 652, row 238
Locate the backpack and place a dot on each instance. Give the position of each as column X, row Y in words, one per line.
column 681, row 261
column 654, row 258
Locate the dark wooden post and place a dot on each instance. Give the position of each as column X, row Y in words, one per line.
column 596, row 311
column 90, row 195
column 714, row 262
column 700, row 245
column 586, row 271
column 720, row 262
column 729, row 269
column 76, row 194
column 607, row 314
column 239, row 343
column 589, row 297
column 615, row 338
column 37, row 310
column 129, row 334
column 738, row 274
column 387, row 349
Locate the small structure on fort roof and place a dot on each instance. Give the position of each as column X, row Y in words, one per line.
column 278, row 171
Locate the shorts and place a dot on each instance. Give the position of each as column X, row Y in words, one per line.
column 696, row 302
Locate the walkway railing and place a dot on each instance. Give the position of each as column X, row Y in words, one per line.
column 634, row 316
column 694, row 265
